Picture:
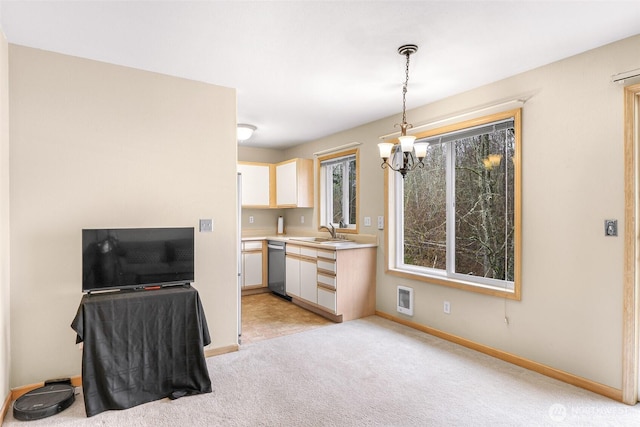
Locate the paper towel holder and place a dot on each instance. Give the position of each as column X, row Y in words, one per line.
column 280, row 226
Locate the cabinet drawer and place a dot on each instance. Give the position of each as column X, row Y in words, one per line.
column 292, row 249
column 310, row 252
column 327, row 265
column 327, row 280
column 252, row 246
column 327, row 299
column 326, row 254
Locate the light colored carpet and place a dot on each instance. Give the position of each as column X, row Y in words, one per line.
column 367, row 372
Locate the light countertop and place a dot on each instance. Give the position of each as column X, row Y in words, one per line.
column 350, row 242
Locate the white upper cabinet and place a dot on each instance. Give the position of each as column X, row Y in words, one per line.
column 294, row 183
column 287, row 184
column 256, row 184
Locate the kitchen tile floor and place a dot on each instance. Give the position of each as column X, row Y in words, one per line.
column 267, row 316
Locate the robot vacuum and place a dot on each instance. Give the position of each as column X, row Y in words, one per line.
column 43, row 402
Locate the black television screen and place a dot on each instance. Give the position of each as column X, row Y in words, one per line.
column 125, row 258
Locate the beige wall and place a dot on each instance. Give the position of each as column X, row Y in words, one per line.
column 5, row 332
column 570, row 315
column 262, row 155
column 98, row 145
column 142, row 142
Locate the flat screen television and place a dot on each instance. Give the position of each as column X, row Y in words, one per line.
column 129, row 258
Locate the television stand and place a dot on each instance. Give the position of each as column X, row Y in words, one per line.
column 141, row 346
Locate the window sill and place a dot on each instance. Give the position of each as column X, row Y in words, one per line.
column 458, row 284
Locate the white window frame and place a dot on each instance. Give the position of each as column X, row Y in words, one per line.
column 326, row 189
column 395, row 232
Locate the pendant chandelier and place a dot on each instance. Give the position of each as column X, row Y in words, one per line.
column 404, row 156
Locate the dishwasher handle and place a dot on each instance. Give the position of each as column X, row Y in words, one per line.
column 278, row 247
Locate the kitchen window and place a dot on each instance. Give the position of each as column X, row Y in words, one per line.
column 456, row 221
column 338, row 178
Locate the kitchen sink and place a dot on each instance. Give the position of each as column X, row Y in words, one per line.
column 336, row 242
column 307, row 239
column 321, row 240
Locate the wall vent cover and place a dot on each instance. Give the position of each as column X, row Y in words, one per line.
column 405, row 300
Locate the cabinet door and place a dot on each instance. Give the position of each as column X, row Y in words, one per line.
column 255, row 184
column 309, row 281
column 287, row 184
column 292, row 276
column 294, row 183
column 252, row 269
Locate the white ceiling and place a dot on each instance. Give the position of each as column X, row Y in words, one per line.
column 307, row 69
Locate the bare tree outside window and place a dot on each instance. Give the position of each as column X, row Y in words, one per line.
column 425, row 212
column 458, row 211
column 484, row 205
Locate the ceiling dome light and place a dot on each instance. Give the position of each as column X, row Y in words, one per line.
column 245, row 131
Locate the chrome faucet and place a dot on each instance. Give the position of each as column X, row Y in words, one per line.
column 331, row 230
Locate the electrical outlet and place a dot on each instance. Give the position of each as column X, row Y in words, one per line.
column 381, row 223
column 367, row 221
column 301, row 219
column 447, row 307
column 251, row 219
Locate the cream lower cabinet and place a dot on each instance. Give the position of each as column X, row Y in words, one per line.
column 301, row 272
column 308, row 276
column 345, row 283
column 253, row 267
column 327, row 298
column 292, row 276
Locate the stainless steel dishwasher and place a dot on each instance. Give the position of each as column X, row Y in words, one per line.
column 276, row 272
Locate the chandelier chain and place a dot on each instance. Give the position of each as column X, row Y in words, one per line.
column 404, row 90
column 403, row 157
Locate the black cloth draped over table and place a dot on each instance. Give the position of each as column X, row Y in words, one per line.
column 141, row 346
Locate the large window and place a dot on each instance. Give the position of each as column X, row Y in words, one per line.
column 338, row 178
column 456, row 220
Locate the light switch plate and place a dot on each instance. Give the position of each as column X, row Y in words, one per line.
column 206, row 225
column 367, row 221
column 380, row 223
